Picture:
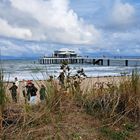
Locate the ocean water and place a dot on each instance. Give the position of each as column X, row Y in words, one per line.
column 32, row 70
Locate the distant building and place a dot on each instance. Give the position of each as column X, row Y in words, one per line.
column 64, row 54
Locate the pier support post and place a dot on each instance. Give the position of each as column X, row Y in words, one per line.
column 82, row 61
column 101, row 62
column 126, row 62
column 93, row 61
column 108, row 62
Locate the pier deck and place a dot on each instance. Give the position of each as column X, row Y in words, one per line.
column 93, row 61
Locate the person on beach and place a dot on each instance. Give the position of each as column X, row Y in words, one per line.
column 13, row 90
column 18, row 89
column 28, row 89
column 42, row 93
column 33, row 91
column 16, row 82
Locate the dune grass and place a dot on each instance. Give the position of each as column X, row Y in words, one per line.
column 2, row 97
column 115, row 101
column 101, row 111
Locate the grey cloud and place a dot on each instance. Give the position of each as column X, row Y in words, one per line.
column 16, row 17
column 49, row 21
column 115, row 37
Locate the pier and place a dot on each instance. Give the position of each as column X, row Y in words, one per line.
column 71, row 58
column 92, row 61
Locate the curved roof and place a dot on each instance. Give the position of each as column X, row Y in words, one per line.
column 64, row 49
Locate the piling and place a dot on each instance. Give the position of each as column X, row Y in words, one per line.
column 108, row 62
column 126, row 62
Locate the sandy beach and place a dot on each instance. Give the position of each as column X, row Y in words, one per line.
column 86, row 83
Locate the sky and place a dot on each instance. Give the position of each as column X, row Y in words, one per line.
column 34, row 28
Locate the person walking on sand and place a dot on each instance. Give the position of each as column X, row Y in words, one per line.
column 16, row 82
column 42, row 93
column 33, row 91
column 13, row 90
column 28, row 89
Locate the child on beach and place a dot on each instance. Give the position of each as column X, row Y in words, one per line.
column 13, row 90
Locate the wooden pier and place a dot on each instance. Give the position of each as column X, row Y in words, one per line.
column 93, row 61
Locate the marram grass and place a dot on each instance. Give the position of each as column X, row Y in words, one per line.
column 2, row 97
column 115, row 102
column 111, row 103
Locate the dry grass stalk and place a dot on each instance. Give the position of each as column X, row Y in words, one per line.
column 111, row 100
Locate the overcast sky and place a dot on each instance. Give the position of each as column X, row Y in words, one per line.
column 31, row 28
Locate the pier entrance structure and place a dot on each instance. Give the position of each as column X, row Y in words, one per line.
column 62, row 56
column 71, row 57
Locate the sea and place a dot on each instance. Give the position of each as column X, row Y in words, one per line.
column 32, row 70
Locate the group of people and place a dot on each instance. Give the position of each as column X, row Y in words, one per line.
column 29, row 91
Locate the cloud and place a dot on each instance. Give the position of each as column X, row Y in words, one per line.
column 42, row 26
column 8, row 48
column 19, row 48
column 127, row 36
column 57, row 22
column 10, row 31
column 123, row 13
